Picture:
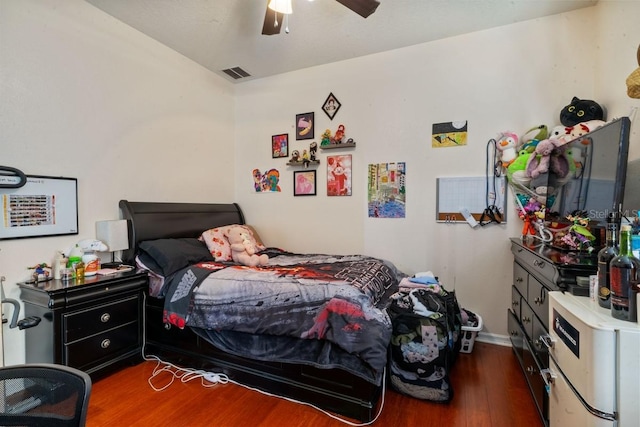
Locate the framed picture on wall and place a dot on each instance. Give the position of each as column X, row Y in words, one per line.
column 304, row 183
column 280, row 145
column 304, row 126
column 331, row 106
column 339, row 175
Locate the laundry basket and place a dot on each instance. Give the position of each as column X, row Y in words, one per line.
column 469, row 334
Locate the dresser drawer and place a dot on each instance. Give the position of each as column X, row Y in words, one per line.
column 80, row 324
column 532, row 371
column 516, row 335
column 102, row 347
column 520, row 279
column 538, row 298
column 526, row 319
column 516, row 302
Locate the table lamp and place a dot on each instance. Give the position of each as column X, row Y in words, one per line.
column 114, row 234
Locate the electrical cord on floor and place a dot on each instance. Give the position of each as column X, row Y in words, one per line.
column 211, row 379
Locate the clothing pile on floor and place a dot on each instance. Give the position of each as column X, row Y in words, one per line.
column 427, row 322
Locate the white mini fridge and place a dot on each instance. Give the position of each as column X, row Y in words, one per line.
column 594, row 365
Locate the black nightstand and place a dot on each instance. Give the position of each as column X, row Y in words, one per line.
column 95, row 326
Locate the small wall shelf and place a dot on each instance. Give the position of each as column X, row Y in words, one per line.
column 332, row 146
column 311, row 162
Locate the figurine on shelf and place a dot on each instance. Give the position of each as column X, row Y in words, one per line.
column 337, row 138
column 313, row 148
column 326, row 138
column 295, row 156
column 305, row 158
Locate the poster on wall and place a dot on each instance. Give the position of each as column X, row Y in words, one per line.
column 304, row 183
column 387, row 193
column 44, row 206
column 339, row 175
column 280, row 145
column 449, row 134
column 268, row 182
column 304, row 126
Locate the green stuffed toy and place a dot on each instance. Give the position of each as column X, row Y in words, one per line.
column 516, row 172
column 529, row 142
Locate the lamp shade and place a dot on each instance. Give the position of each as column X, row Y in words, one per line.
column 114, row 234
column 281, row 6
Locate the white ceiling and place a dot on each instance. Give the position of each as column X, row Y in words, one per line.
column 220, row 34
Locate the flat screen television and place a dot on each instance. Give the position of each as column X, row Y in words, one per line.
column 597, row 186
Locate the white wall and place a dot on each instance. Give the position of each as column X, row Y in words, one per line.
column 86, row 96
column 508, row 78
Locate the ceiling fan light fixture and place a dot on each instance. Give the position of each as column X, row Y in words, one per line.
column 281, row 6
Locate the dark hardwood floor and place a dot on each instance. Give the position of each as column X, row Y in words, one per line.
column 489, row 390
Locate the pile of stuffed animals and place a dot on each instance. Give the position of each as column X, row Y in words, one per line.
column 528, row 160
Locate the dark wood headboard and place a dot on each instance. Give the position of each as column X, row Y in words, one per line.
column 158, row 220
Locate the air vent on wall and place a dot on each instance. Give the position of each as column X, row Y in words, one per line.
column 236, row 73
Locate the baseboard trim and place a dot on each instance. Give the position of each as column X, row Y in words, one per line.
column 494, row 339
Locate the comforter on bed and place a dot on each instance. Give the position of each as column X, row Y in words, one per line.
column 333, row 298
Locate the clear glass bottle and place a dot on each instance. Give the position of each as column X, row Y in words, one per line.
column 624, row 270
column 605, row 256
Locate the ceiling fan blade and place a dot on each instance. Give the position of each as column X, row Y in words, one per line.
column 363, row 8
column 270, row 18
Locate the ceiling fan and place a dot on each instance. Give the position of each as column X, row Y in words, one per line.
column 273, row 16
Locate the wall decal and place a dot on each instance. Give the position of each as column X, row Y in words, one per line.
column 267, row 182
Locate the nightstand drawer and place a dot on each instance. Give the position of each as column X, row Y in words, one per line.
column 80, row 324
column 104, row 346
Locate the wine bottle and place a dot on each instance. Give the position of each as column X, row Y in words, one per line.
column 605, row 256
column 624, row 269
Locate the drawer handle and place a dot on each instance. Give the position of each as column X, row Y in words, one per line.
column 549, row 377
column 515, row 303
column 548, row 341
column 531, row 370
column 538, row 301
column 514, row 333
column 526, row 319
column 105, row 343
column 539, row 264
column 105, row 317
column 519, row 280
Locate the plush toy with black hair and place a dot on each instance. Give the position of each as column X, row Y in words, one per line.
column 580, row 110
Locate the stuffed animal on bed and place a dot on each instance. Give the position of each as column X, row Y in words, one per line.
column 243, row 250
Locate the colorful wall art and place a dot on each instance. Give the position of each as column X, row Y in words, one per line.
column 339, row 175
column 387, row 192
column 266, row 182
column 449, row 134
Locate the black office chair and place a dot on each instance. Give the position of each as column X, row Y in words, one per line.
column 43, row 395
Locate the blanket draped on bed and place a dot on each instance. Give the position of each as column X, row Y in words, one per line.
column 333, row 298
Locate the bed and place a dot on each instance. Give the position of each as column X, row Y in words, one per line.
column 331, row 370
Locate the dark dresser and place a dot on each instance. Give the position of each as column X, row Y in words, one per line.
column 538, row 269
column 95, row 326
